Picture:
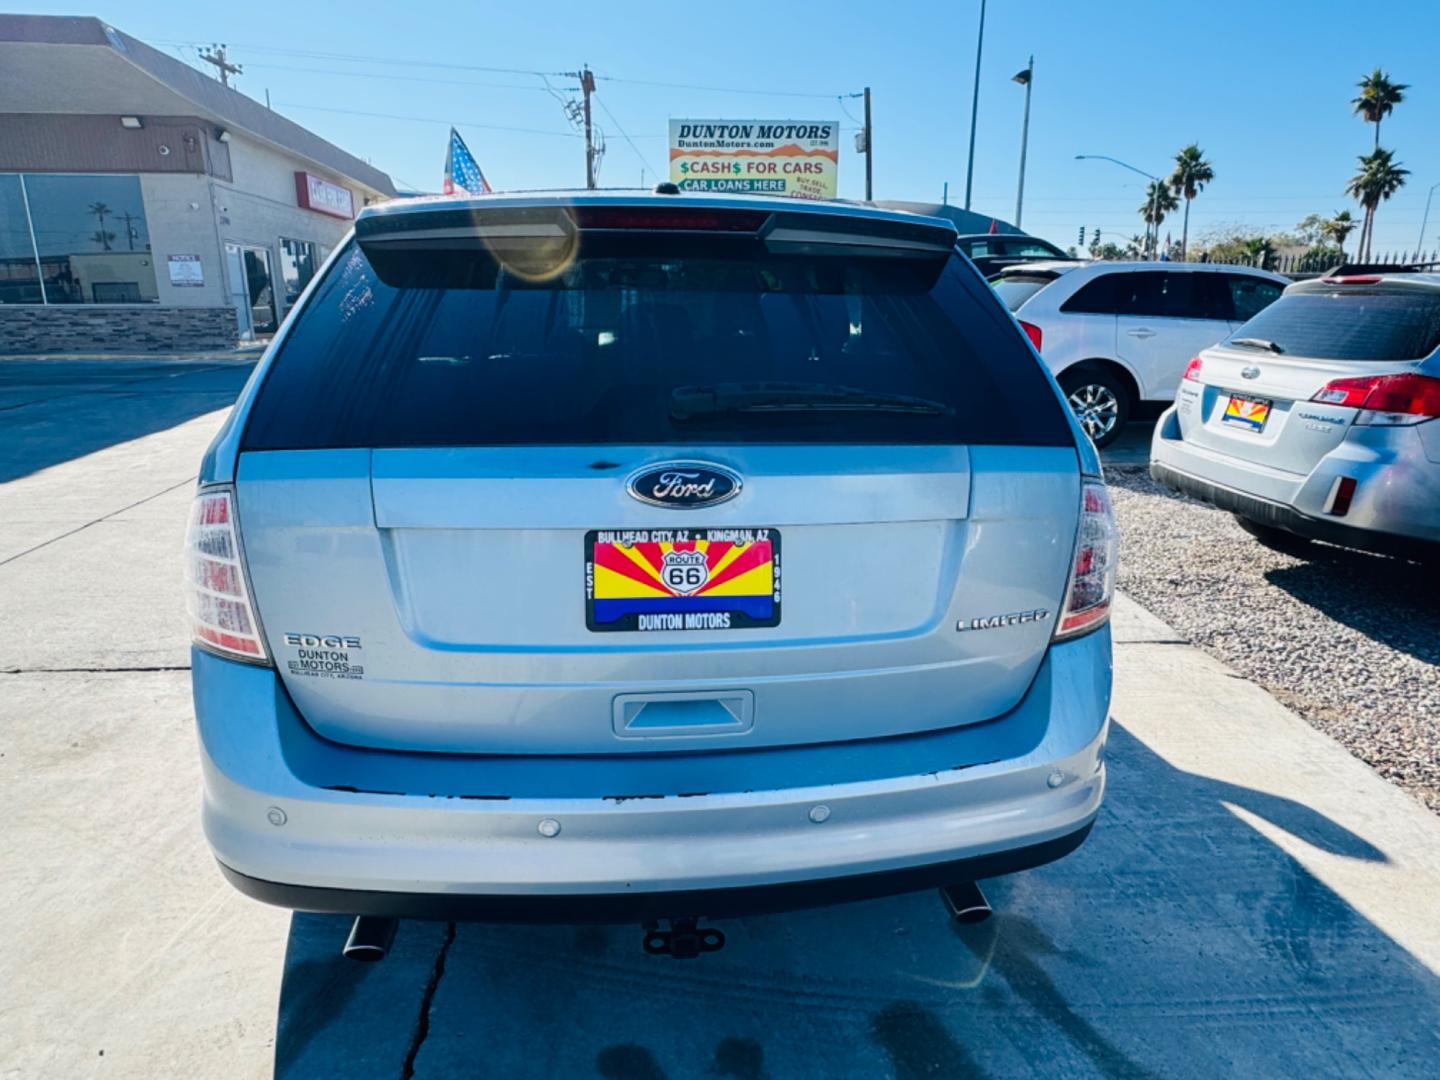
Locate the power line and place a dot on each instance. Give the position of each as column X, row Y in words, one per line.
column 717, row 89
column 624, row 135
column 429, row 120
column 354, row 58
column 400, row 78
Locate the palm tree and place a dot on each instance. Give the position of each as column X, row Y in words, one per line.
column 1259, row 250
column 1192, row 173
column 1159, row 201
column 1339, row 228
column 1378, row 98
column 100, row 210
column 1380, row 176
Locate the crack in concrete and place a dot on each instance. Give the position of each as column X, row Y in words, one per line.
column 422, row 1025
column 97, row 521
column 91, row 670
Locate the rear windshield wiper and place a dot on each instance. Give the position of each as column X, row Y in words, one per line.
column 1257, row 343
column 690, row 401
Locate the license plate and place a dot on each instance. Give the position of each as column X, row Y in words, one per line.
column 1246, row 412
column 682, row 579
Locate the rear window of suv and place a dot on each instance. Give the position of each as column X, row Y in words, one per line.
column 651, row 341
column 1351, row 323
column 1015, row 289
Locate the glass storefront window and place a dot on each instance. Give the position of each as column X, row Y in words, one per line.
column 19, row 273
column 298, row 263
column 91, row 238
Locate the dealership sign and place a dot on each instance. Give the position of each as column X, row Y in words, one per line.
column 323, row 197
column 775, row 157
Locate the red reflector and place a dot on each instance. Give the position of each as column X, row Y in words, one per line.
column 679, row 218
column 1033, row 333
column 1410, row 395
column 1340, row 496
column 1192, row 369
column 229, row 641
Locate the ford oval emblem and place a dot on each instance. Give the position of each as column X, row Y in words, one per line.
column 1251, row 372
column 684, row 485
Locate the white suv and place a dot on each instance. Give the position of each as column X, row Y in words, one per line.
column 1116, row 333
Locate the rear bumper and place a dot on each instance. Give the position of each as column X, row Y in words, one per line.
column 644, row 906
column 305, row 823
column 1395, row 510
column 1281, row 516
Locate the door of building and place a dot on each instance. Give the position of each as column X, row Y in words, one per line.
column 251, row 288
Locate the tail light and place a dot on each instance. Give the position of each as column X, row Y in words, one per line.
column 1092, row 576
column 1385, row 399
column 1192, row 369
column 222, row 618
column 1033, row 332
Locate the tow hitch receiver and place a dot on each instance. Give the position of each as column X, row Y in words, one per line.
column 684, row 940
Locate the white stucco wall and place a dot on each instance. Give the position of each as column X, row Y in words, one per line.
column 181, row 221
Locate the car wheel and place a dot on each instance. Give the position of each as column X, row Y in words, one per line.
column 1100, row 402
column 1275, row 539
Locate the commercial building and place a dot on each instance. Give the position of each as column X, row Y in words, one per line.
column 145, row 206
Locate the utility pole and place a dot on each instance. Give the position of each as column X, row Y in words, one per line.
column 587, row 87
column 975, row 106
column 130, row 233
column 216, row 56
column 1420, row 244
column 1024, row 78
column 869, row 148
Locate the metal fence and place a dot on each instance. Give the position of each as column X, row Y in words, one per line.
column 1308, row 263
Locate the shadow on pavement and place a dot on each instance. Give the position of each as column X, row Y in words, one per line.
column 52, row 411
column 1179, row 942
column 1387, row 600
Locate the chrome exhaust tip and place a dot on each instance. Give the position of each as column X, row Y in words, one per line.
column 370, row 938
column 966, row 902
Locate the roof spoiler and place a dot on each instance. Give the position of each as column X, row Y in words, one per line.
column 797, row 232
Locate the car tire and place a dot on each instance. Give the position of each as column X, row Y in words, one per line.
column 1281, row 540
column 1101, row 402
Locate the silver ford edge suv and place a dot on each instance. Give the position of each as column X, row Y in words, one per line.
column 636, row 557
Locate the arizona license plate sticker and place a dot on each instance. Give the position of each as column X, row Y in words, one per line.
column 682, row 579
column 1247, row 413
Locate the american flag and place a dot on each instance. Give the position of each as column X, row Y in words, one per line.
column 462, row 173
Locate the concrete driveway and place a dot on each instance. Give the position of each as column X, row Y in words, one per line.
column 1253, row 902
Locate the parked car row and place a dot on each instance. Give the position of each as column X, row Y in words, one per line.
column 1306, row 409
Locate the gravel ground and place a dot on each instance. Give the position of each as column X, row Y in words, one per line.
column 1349, row 641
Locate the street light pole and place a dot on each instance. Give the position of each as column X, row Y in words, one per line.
column 1154, row 194
column 1026, row 79
column 975, row 106
column 1420, row 244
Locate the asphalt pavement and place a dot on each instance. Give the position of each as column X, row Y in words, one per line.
column 1253, row 902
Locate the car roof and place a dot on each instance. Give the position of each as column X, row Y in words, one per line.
column 1003, row 236
column 644, row 197
column 1087, row 269
column 1043, row 266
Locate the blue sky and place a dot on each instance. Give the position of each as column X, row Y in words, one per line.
column 1264, row 87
